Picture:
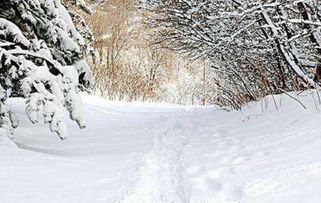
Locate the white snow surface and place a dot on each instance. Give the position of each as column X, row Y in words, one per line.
column 161, row 153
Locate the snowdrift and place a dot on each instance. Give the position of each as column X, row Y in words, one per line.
column 159, row 153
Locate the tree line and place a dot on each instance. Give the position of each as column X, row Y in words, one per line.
column 255, row 47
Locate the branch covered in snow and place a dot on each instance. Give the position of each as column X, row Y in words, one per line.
column 41, row 60
column 256, row 47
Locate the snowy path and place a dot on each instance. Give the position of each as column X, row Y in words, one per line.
column 148, row 153
column 160, row 178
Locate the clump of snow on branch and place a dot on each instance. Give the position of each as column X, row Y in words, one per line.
column 42, row 61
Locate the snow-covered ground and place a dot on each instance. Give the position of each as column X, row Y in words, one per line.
column 160, row 153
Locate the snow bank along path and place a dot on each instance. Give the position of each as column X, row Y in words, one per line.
column 160, row 153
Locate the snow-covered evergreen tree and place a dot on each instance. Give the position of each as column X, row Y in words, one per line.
column 41, row 59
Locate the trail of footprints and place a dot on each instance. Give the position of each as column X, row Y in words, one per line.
column 229, row 154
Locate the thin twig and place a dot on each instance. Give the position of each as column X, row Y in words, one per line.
column 293, row 98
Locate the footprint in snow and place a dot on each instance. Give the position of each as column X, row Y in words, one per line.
column 222, row 144
column 211, row 188
column 234, row 148
column 217, row 153
column 239, row 160
column 220, row 172
column 195, row 170
column 214, row 185
column 232, row 192
column 222, row 131
column 206, row 185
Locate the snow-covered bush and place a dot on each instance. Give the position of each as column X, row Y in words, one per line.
column 41, row 59
column 127, row 66
column 256, row 47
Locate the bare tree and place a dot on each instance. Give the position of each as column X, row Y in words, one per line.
column 256, row 47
